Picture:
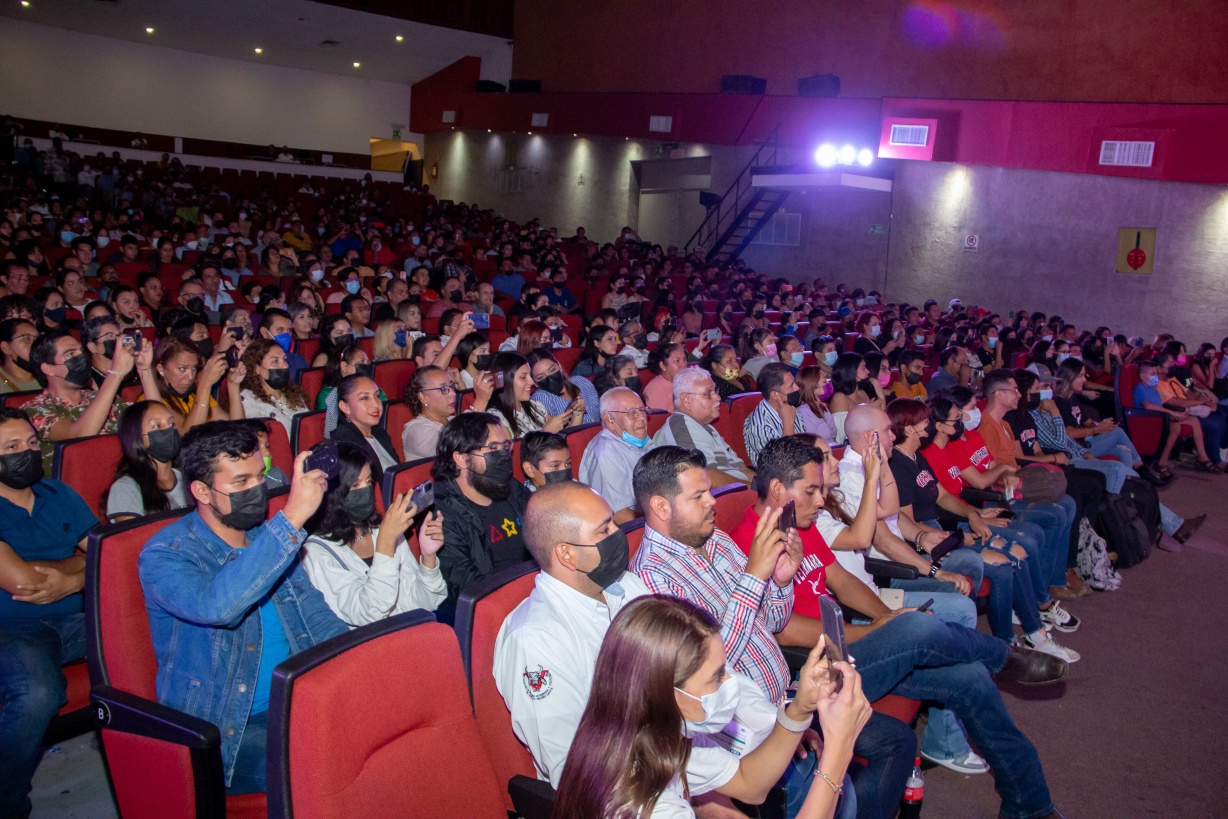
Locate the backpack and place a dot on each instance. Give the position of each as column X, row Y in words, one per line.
column 1120, row 525
column 1093, row 560
column 1145, row 501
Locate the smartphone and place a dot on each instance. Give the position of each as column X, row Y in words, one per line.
column 926, row 605
column 498, row 379
column 232, row 357
column 481, row 321
column 833, row 629
column 423, row 496
column 714, row 334
column 324, row 459
column 556, row 333
column 1005, row 514
column 788, row 517
column 133, row 341
column 237, row 332
column 953, row 541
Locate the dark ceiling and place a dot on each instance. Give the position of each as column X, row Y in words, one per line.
column 493, row 17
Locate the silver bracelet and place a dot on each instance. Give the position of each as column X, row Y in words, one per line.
column 790, row 724
column 836, row 789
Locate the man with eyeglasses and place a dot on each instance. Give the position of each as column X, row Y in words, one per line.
column 697, row 405
column 16, row 278
column 610, row 458
column 16, row 337
column 100, row 336
column 482, row 504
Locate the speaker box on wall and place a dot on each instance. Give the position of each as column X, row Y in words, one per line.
column 709, row 199
column 743, row 84
column 820, row 85
column 489, row 87
column 524, row 86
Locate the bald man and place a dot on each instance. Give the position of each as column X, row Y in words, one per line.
column 547, row 648
column 868, row 426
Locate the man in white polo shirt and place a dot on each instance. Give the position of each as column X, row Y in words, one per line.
column 610, row 458
column 696, row 406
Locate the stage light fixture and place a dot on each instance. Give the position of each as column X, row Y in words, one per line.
column 825, row 155
column 848, row 155
column 864, row 157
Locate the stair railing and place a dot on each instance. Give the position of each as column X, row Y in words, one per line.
column 720, row 217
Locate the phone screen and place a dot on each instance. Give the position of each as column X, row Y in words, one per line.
column 714, row 334
column 499, row 380
column 833, row 629
column 481, row 321
column 423, row 496
column 788, row 517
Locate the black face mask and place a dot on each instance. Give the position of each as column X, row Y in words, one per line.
column 913, row 378
column 455, row 296
column 794, row 399
column 482, row 362
column 641, row 341
column 278, row 379
column 552, row 383
column 959, row 429
column 55, row 314
column 1029, row 403
column 366, row 370
column 360, row 504
column 614, row 553
column 632, row 383
column 21, row 470
column 344, row 340
column 79, row 374
column 204, row 347
column 248, row 508
column 194, row 305
column 557, row 476
column 24, row 363
column 495, row 482
column 163, row 444
column 108, row 349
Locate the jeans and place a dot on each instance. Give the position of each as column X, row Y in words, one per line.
column 1116, row 443
column 1213, row 428
column 944, row 737
column 799, row 777
column 32, row 690
column 960, row 561
column 1115, row 472
column 251, row 761
column 889, row 746
column 1056, row 520
column 919, row 656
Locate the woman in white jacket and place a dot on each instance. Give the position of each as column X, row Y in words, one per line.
column 363, row 566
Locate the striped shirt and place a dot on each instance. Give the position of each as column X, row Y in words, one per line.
column 761, row 426
column 684, row 431
column 556, row 404
column 749, row 610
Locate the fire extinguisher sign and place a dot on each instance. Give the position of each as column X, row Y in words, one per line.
column 1136, row 250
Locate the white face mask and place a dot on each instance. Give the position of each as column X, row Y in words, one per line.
column 317, row 274
column 974, row 418
column 718, row 706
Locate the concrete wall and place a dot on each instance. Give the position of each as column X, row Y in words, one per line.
column 64, row 76
column 1048, row 241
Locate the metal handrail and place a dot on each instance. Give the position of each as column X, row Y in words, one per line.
column 732, row 206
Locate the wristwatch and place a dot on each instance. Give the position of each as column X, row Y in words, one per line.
column 933, row 571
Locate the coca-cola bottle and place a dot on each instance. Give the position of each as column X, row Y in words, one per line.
column 914, row 793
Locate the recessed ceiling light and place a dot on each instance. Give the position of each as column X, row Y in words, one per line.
column 259, row 50
column 488, row 130
column 400, row 38
column 575, row 135
column 149, row 29
column 25, row 4
column 530, row 133
column 357, row 65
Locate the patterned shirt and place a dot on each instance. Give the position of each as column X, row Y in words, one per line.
column 556, row 404
column 749, row 610
column 46, row 410
column 761, row 426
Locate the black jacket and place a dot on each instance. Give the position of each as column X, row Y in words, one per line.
column 349, row 433
column 466, row 557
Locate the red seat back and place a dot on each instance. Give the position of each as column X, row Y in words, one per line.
column 396, row 416
column 279, row 446
column 311, row 380
column 308, row 348
column 567, row 357
column 1129, row 380
column 635, row 536
column 656, row 420
column 392, row 376
column 17, row 400
column 578, row 439
column 480, row 613
column 307, row 430
column 740, row 408
column 731, row 503
column 397, row 744
column 402, row 478
column 88, row 466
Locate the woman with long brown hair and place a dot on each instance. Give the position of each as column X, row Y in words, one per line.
column 659, row 680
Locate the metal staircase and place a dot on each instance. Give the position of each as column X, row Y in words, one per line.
column 742, row 212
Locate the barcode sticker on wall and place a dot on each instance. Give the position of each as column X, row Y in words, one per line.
column 783, row 229
column 909, row 135
column 1128, row 154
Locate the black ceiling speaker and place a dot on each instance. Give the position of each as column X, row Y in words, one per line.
column 524, row 86
column 820, row 85
column 743, row 84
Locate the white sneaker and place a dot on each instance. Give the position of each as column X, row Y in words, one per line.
column 1042, row 641
column 1015, row 619
column 968, row 763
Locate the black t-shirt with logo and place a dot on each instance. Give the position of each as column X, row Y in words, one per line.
column 917, row 484
column 1072, row 413
column 501, row 530
column 1024, row 429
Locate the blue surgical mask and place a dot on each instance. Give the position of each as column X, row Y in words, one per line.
column 1062, row 357
column 830, row 358
column 353, row 286
column 1046, row 395
column 67, row 236
column 400, row 337
column 416, row 239
column 283, row 341
column 876, row 331
column 919, row 339
column 993, row 342
column 1153, row 381
column 797, row 358
column 638, row 443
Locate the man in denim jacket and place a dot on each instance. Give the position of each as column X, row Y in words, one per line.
column 227, row 595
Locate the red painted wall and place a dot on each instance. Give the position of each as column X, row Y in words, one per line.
column 1069, row 50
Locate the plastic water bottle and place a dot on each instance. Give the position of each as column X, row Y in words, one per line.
column 914, row 793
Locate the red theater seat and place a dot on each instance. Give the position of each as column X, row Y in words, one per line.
column 402, row 478
column 307, row 430
column 731, row 503
column 407, row 744
column 740, row 408
column 88, row 466
column 392, row 376
column 578, row 439
column 396, row 416
column 312, row 381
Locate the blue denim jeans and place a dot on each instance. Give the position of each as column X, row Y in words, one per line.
column 1114, row 472
column 960, row 561
column 1010, row 587
column 799, row 778
column 889, row 746
column 1056, row 520
column 1116, row 443
column 251, row 761
column 919, row 656
column 32, row 690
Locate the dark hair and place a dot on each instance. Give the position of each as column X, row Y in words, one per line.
column 253, row 356
column 908, row 357
column 596, row 333
column 14, row 414
column 905, row 412
column 409, row 395
column 347, row 304
column 420, row 343
column 535, row 446
column 445, row 318
column 464, row 350
column 503, row 401
column 819, row 343
column 960, row 396
column 326, row 331
column 346, row 386
column 270, row 313
column 656, row 474
column 134, row 460
column 92, row 329
column 940, row 408
column 205, row 443
column 656, row 358
column 947, row 355
column 771, row 377
column 464, row 433
column 332, row 367
column 8, row 330
column 1024, row 379
column 783, row 459
column 42, row 351
column 844, row 373
column 331, row 520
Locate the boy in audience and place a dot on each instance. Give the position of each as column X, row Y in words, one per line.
column 224, row 582
column 545, row 459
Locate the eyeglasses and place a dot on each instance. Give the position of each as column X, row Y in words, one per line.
column 497, row 446
column 446, row 389
column 634, row 411
column 710, row 394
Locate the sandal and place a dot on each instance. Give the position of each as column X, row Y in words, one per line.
column 1207, row 466
column 1162, row 471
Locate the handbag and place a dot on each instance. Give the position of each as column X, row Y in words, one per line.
column 1042, row 483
